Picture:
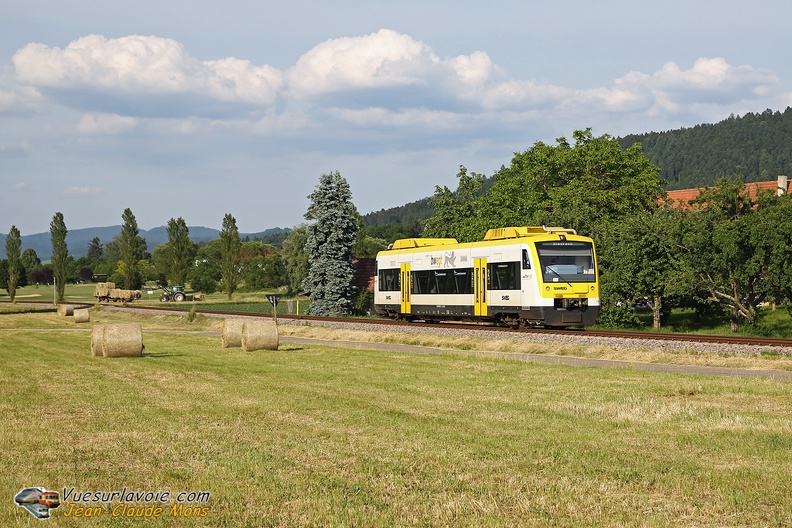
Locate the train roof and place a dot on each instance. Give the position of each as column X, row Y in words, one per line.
column 409, row 243
column 502, row 233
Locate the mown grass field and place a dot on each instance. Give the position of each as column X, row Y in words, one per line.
column 321, row 436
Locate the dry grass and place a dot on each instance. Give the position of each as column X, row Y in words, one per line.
column 483, row 346
column 320, row 436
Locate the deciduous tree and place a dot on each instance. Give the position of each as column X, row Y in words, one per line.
column 456, row 212
column 180, row 251
column 230, row 258
column 14, row 256
column 640, row 256
column 581, row 186
column 296, row 258
column 738, row 247
column 60, row 254
column 133, row 250
column 95, row 250
column 30, row 260
column 205, row 275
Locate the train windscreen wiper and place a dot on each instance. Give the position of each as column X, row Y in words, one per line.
column 554, row 272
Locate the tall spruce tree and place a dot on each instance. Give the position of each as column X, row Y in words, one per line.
column 132, row 248
column 60, row 254
column 330, row 245
column 14, row 256
column 180, row 250
column 230, row 256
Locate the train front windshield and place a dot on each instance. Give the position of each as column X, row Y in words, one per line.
column 565, row 261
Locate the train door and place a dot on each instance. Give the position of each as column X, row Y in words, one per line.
column 480, row 286
column 405, row 288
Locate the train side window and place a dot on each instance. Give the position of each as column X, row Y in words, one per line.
column 389, row 280
column 503, row 276
column 526, row 263
column 422, row 281
column 464, row 280
column 443, row 281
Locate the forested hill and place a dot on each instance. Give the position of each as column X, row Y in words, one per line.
column 757, row 147
column 404, row 214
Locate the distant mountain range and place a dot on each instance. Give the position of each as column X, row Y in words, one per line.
column 78, row 240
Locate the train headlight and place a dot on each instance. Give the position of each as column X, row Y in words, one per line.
column 592, row 288
column 547, row 288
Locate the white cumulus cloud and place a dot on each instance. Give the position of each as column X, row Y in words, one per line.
column 668, row 90
column 390, row 60
column 708, row 80
column 130, row 63
column 19, row 100
column 137, row 65
column 382, row 59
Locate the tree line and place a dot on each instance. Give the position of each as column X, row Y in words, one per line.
column 316, row 257
column 222, row 264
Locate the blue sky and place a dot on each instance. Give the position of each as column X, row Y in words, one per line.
column 202, row 108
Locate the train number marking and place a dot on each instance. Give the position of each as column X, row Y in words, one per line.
column 504, row 297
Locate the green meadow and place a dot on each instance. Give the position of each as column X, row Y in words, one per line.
column 323, row 436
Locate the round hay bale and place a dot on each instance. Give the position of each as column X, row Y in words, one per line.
column 123, row 340
column 232, row 332
column 259, row 335
column 65, row 310
column 82, row 315
column 97, row 337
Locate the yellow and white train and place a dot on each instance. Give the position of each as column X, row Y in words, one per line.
column 517, row 276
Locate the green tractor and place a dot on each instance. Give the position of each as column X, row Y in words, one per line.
column 173, row 293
